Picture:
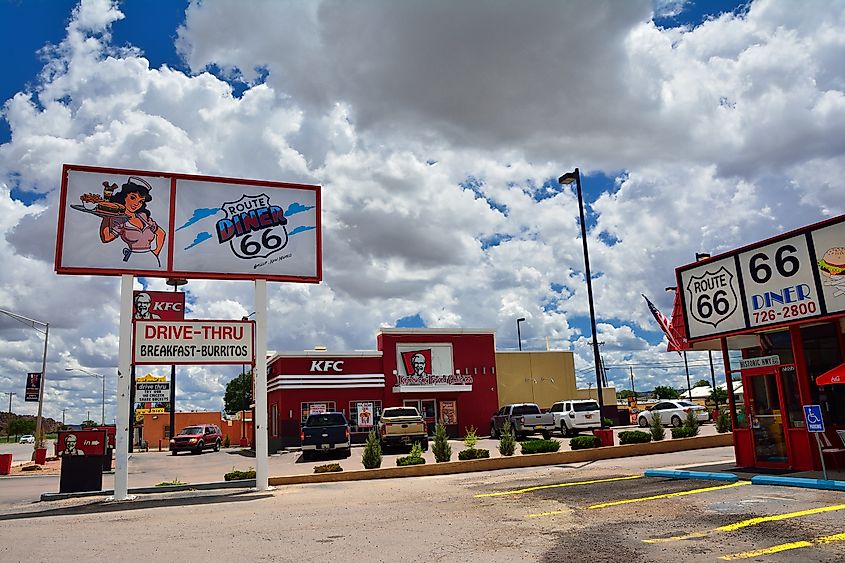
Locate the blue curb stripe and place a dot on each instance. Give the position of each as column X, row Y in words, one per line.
column 675, row 474
column 828, row 485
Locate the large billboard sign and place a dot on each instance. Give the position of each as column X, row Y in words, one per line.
column 193, row 342
column 795, row 276
column 160, row 224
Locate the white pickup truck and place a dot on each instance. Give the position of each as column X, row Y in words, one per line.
column 574, row 416
column 525, row 419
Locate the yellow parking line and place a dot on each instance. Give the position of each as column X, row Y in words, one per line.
column 750, row 522
column 670, row 495
column 539, row 487
column 783, row 547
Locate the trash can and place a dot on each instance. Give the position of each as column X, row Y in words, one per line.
column 107, row 460
column 5, row 464
column 605, row 435
column 40, row 456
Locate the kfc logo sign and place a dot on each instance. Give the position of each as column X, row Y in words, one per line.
column 327, row 365
column 159, row 305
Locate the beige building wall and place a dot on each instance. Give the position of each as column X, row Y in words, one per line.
column 535, row 377
column 608, row 395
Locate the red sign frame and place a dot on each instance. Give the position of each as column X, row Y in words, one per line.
column 169, row 271
column 193, row 362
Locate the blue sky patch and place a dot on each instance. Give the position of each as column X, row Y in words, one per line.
column 494, row 240
column 411, row 321
column 474, row 185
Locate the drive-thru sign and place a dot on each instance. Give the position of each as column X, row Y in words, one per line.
column 193, row 342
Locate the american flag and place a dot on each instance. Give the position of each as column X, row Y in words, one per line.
column 665, row 325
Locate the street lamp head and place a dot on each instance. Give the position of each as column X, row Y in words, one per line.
column 671, row 288
column 569, row 177
column 176, row 282
column 701, row 256
column 520, row 319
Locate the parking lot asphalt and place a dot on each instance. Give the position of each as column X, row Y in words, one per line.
column 603, row 511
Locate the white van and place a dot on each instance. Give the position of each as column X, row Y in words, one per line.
column 573, row 416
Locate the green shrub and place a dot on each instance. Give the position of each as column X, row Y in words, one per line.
column 656, row 427
column 328, row 468
column 227, row 442
column 471, row 438
column 540, row 446
column 442, row 450
column 634, row 437
column 413, row 458
column 473, row 453
column 691, row 423
column 235, row 475
column 582, row 443
column 723, row 422
column 507, row 442
column 372, row 451
column 608, row 423
column 176, row 481
column 682, row 432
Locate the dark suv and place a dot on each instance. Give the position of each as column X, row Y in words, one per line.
column 196, row 438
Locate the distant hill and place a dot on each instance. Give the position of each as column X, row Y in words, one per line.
column 48, row 424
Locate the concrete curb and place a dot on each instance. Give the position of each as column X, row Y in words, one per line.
column 517, row 461
column 828, row 485
column 675, row 474
column 241, row 484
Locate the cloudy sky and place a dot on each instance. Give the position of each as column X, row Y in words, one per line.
column 437, row 130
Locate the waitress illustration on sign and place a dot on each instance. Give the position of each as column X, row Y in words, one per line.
column 125, row 215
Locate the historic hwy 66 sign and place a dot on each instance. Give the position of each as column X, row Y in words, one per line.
column 713, row 297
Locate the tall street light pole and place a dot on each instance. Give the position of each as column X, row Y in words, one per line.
column 243, row 412
column 518, row 332
column 101, row 376
column 567, row 179
column 39, row 434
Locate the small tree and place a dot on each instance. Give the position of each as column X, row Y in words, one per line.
column 701, row 383
column 89, row 423
column 18, row 426
column 723, row 422
column 372, row 451
column 656, row 427
column 507, row 442
column 442, row 450
column 691, row 423
column 666, row 392
column 471, row 438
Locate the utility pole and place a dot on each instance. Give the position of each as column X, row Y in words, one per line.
column 63, row 416
column 10, row 394
column 632, row 381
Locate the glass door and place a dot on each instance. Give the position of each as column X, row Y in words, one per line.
column 766, row 415
column 429, row 412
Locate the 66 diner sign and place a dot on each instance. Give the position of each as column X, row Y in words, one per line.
column 117, row 221
column 794, row 276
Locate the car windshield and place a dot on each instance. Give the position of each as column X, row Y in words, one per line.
column 585, row 407
column 333, row 419
column 388, row 413
column 687, row 404
column 191, row 430
column 526, row 409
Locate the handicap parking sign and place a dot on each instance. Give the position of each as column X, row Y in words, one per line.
column 813, row 417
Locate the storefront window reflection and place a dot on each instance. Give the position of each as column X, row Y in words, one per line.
column 821, row 349
column 791, row 398
column 766, row 419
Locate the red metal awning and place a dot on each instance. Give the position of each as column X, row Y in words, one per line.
column 832, row 377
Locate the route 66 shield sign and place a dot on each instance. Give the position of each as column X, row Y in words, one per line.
column 712, row 296
column 253, row 227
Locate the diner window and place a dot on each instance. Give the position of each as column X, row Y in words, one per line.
column 358, row 419
column 822, row 352
column 316, row 407
column 777, row 342
column 274, row 419
column 791, row 397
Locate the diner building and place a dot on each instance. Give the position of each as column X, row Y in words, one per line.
column 776, row 310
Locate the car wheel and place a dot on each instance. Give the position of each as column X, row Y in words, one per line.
column 424, row 445
column 174, row 452
column 217, row 446
column 347, row 452
column 200, row 447
column 494, row 434
column 306, row 455
column 642, row 422
column 676, row 420
column 546, row 434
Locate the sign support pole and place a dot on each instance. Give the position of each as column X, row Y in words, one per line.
column 821, row 456
column 121, row 469
column 262, row 458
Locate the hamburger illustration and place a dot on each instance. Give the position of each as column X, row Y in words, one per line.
column 833, row 262
column 101, row 204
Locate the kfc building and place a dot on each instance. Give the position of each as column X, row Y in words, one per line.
column 776, row 309
column 448, row 375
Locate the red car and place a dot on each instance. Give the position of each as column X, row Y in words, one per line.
column 196, row 438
